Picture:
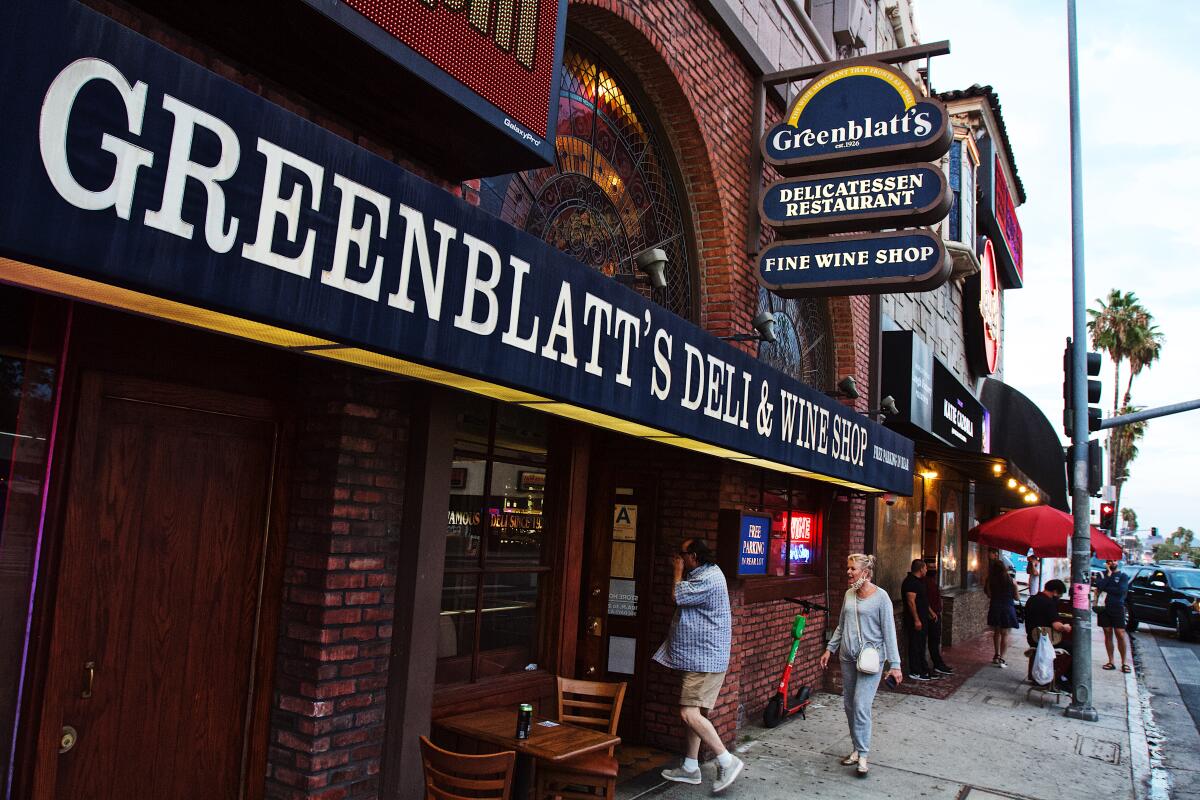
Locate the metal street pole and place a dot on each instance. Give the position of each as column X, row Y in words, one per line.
column 1081, row 542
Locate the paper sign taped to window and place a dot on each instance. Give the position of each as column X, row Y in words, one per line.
column 624, row 522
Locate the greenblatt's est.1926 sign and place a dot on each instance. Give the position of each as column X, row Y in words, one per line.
column 864, row 199
column 869, row 263
column 868, row 114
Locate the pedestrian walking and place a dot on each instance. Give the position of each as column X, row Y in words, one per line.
column 866, row 622
column 1034, row 568
column 1001, row 590
column 698, row 646
column 933, row 633
column 1110, row 613
column 916, row 621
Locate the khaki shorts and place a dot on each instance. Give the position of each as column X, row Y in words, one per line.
column 701, row 689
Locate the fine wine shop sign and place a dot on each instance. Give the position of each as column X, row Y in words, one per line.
column 127, row 164
column 859, row 115
column 865, row 199
column 869, row 263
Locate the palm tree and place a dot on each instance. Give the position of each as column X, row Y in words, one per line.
column 1122, row 327
column 1146, row 344
column 1129, row 517
column 1113, row 327
column 1123, row 449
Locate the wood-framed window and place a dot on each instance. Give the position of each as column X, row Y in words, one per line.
column 795, row 553
column 497, row 561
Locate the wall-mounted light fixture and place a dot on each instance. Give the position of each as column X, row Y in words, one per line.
column 845, row 388
column 997, row 469
column 763, row 322
column 928, row 474
column 653, row 262
column 887, row 408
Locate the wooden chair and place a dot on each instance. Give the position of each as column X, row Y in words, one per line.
column 455, row 776
column 590, row 704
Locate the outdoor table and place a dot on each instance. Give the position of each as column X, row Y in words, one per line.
column 498, row 726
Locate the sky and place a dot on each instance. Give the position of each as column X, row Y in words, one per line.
column 1141, row 163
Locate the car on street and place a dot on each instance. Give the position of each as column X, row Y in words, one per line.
column 1163, row 594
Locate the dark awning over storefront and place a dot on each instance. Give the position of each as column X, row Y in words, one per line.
column 1021, row 434
column 301, row 239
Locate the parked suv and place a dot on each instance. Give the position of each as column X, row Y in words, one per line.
column 1164, row 595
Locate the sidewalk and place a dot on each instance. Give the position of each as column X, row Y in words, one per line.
column 992, row 737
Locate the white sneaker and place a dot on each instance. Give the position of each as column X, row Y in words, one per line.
column 681, row 775
column 727, row 775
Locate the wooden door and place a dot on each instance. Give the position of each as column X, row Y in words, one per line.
column 618, row 571
column 153, row 647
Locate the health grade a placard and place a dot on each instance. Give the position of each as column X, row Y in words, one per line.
column 754, row 536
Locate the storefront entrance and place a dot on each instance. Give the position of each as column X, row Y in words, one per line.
column 155, row 676
column 618, row 581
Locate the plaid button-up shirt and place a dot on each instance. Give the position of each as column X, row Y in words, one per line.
column 700, row 632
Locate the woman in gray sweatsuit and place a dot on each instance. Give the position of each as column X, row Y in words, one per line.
column 866, row 620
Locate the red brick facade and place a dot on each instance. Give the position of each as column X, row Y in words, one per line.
column 348, row 451
column 338, row 605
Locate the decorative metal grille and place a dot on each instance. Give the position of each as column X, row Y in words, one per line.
column 609, row 195
column 803, row 338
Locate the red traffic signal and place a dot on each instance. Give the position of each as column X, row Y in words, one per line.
column 1106, row 516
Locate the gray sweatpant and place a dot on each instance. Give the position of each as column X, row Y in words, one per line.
column 858, row 693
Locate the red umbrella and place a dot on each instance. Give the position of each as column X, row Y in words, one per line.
column 1042, row 529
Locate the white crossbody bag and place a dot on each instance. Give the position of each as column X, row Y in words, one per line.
column 868, row 655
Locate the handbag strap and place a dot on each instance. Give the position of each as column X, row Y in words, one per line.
column 857, row 622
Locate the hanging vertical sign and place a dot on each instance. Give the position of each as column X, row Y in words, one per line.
column 862, row 114
column 982, row 314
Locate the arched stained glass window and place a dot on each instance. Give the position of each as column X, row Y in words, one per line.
column 803, row 345
column 610, row 194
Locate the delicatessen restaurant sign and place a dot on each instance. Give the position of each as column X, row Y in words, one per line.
column 176, row 183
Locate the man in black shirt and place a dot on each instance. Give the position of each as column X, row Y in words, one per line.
column 1041, row 611
column 916, row 621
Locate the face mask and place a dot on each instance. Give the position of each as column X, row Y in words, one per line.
column 858, row 584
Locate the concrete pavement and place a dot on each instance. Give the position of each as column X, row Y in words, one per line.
column 993, row 737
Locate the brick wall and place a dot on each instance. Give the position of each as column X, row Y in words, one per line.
column 336, row 618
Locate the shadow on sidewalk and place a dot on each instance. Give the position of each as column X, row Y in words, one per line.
column 966, row 658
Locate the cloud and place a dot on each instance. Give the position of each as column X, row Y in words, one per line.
column 1140, row 210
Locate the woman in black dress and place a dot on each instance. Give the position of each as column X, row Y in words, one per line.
column 1001, row 590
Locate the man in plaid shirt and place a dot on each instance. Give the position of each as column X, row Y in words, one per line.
column 698, row 646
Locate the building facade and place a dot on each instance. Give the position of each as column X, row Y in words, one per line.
column 325, row 419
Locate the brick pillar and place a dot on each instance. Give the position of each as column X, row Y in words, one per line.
column 336, row 621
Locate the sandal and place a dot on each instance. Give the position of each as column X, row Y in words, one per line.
column 1126, row 669
column 862, row 769
column 1109, row 665
column 850, row 760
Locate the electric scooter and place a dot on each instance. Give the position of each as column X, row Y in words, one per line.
column 782, row 706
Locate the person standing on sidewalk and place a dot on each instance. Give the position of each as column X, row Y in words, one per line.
column 1111, row 615
column 933, row 633
column 698, row 646
column 1001, row 590
column 916, row 620
column 1034, row 566
column 866, row 621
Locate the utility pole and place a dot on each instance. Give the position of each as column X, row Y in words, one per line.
column 1081, row 541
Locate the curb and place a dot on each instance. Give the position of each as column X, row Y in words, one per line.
column 1139, row 748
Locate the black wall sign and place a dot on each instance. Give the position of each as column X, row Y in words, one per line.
column 931, row 400
column 862, row 114
column 127, row 164
column 860, row 200
column 872, row 263
column 958, row 418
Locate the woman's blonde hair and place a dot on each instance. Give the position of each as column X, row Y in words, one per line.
column 864, row 561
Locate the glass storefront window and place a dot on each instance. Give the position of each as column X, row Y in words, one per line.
column 31, row 338
column 795, row 528
column 951, row 538
column 495, row 544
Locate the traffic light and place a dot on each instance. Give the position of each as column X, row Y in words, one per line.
column 1093, row 390
column 1106, row 516
column 1095, row 462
